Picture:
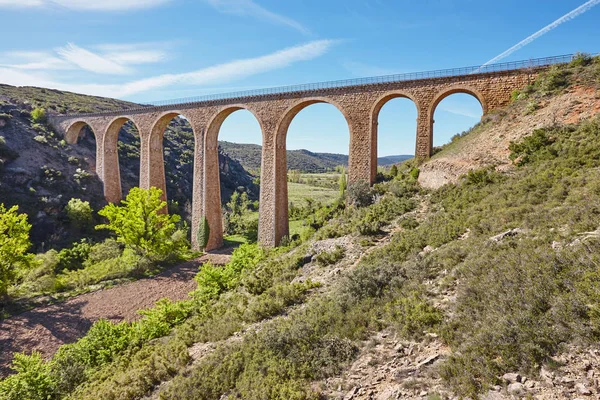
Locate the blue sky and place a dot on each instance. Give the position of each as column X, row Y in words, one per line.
column 147, row 50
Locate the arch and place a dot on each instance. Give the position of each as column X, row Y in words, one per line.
column 212, row 180
column 441, row 95
column 280, row 171
column 74, row 130
column 110, row 161
column 289, row 114
column 376, row 109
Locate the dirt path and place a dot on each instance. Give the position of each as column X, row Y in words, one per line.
column 45, row 328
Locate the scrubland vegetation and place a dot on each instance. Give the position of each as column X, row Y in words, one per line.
column 518, row 253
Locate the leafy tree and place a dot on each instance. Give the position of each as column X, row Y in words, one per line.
column 141, row 226
column 343, row 183
column 203, row 233
column 14, row 243
column 394, row 171
column 79, row 212
column 38, row 115
column 238, row 218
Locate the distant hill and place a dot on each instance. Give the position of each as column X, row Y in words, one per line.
column 390, row 160
column 249, row 155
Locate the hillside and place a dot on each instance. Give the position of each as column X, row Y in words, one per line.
column 41, row 172
column 249, row 155
column 486, row 287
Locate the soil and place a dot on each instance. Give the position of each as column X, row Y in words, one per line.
column 45, row 328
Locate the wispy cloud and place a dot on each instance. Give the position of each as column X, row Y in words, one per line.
column 84, row 5
column 462, row 111
column 112, row 60
column 250, row 8
column 565, row 18
column 92, row 62
column 221, row 74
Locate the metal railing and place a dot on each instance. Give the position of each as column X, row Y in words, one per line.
column 413, row 76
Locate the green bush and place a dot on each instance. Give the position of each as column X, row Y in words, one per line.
column 360, row 194
column 38, row 115
column 79, row 212
column 32, row 379
column 412, row 314
column 141, row 226
column 326, row 258
column 74, row 257
column 14, row 243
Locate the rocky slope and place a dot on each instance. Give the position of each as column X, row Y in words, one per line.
column 487, row 143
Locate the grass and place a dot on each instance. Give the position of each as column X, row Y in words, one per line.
column 297, row 192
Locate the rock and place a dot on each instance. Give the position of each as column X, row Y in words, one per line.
column 350, row 395
column 582, row 390
column 515, row 388
column 568, row 382
column 511, row 377
column 500, row 237
column 548, row 376
column 530, row 384
column 428, row 360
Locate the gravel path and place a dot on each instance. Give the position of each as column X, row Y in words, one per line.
column 45, row 328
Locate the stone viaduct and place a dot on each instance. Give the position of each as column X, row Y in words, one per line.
column 359, row 101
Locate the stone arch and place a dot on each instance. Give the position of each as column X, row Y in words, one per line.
column 154, row 175
column 446, row 92
column 280, row 170
column 110, row 161
column 73, row 131
column 212, row 180
column 441, row 95
column 376, row 109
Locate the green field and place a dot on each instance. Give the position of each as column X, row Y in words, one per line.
column 320, row 191
column 298, row 192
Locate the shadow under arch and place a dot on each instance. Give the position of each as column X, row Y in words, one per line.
column 282, row 225
column 75, row 130
column 375, row 111
column 110, row 159
column 212, row 179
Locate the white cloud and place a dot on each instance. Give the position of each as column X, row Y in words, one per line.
column 113, row 60
column 565, row 18
column 84, row 5
column 222, row 73
column 462, row 111
column 89, row 61
column 250, row 8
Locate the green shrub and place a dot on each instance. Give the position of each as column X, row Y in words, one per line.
column 412, row 314
column 326, row 258
column 581, row 60
column 32, row 379
column 141, row 226
column 38, row 115
column 360, row 194
column 74, row 257
column 14, row 243
column 79, row 212
column 203, row 233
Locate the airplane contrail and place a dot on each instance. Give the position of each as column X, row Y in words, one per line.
column 565, row 18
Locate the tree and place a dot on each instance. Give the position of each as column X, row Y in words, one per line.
column 141, row 226
column 38, row 115
column 394, row 171
column 14, row 243
column 343, row 183
column 79, row 212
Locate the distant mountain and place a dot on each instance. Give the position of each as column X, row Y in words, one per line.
column 390, row 160
column 249, row 155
